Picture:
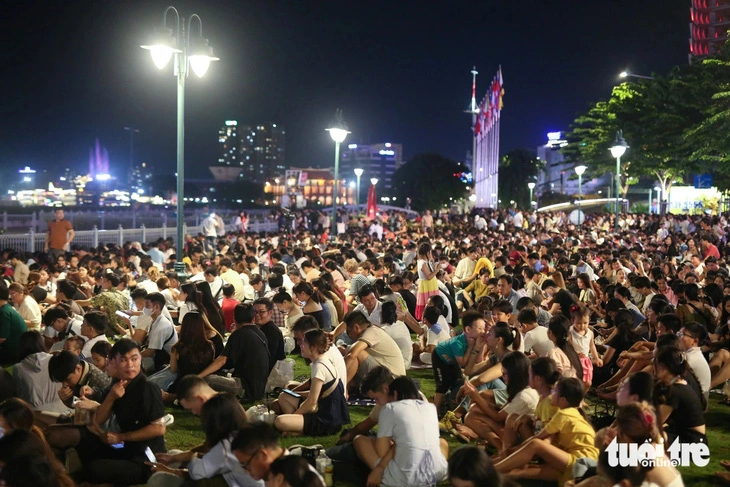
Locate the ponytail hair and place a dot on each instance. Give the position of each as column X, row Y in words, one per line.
column 281, row 296
column 559, row 327
column 675, row 361
column 511, row 337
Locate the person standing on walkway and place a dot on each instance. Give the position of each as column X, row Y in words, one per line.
column 59, row 236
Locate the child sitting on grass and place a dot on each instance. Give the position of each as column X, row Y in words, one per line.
column 573, row 438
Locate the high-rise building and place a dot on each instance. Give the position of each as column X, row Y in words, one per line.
column 376, row 160
column 262, row 151
column 229, row 144
column 710, row 22
column 254, row 152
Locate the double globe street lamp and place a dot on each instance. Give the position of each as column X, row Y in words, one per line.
column 187, row 52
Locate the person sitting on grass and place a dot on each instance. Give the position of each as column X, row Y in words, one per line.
column 372, row 347
column 408, row 449
column 450, row 356
column 77, row 377
column 485, row 419
column 221, row 417
column 543, row 376
column 100, row 355
column 470, row 466
column 301, row 327
column 324, row 411
column 256, row 447
column 573, row 439
column 433, row 335
column 293, row 470
column 33, row 383
column 563, row 353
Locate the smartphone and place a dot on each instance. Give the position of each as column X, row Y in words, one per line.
column 488, row 315
column 150, row 455
column 122, row 314
column 117, row 445
column 292, row 393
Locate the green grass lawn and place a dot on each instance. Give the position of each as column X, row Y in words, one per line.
column 186, row 432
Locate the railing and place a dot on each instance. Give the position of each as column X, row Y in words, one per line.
column 112, row 219
column 34, row 241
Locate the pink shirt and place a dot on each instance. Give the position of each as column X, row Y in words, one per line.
column 564, row 366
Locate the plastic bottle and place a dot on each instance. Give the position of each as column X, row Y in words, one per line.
column 328, row 472
column 321, row 462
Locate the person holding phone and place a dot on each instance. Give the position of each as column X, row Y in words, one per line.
column 119, row 457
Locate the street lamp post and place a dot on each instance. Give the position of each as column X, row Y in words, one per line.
column 197, row 54
column 531, row 185
column 579, row 170
column 338, row 131
column 617, row 150
column 659, row 199
column 358, row 173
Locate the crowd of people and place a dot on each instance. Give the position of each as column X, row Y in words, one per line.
column 523, row 318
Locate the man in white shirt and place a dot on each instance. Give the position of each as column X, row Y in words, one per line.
column 92, row 330
column 232, row 277
column 465, row 267
column 60, row 324
column 215, row 282
column 162, row 335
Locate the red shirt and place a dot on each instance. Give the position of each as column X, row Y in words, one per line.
column 228, row 305
column 711, row 251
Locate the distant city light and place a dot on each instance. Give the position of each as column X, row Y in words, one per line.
column 26, row 179
column 554, row 135
column 231, row 123
column 103, row 177
column 387, row 152
column 352, row 184
column 388, row 144
column 26, row 170
column 352, row 146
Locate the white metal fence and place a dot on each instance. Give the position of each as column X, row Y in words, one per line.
column 112, row 219
column 34, row 241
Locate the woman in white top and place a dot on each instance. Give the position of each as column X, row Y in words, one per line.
column 221, row 416
column 190, row 300
column 408, row 449
column 324, row 410
column 488, row 420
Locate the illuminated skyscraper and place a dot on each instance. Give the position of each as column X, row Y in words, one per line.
column 710, row 22
column 229, row 144
column 262, row 151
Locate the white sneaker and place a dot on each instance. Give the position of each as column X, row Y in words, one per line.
column 168, row 419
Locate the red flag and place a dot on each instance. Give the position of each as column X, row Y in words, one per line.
column 372, row 209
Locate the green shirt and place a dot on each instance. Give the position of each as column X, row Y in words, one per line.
column 12, row 325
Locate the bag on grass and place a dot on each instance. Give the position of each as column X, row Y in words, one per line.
column 281, row 374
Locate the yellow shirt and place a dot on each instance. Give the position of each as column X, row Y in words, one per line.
column 575, row 436
column 481, row 263
column 545, row 410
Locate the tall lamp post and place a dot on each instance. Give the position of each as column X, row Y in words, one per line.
column 338, row 131
column 197, row 54
column 358, row 173
column 531, row 185
column 579, row 170
column 617, row 150
column 659, row 199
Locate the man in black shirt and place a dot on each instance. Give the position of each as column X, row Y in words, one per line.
column 396, row 284
column 119, row 458
column 560, row 297
column 263, row 312
column 247, row 352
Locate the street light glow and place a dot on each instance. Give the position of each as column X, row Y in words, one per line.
column 358, row 171
column 338, row 134
column 579, row 170
column 531, row 185
column 624, row 74
column 373, row 181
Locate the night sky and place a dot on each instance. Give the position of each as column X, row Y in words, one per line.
column 72, row 71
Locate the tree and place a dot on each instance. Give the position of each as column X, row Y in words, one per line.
column 430, row 180
column 516, row 169
column 655, row 116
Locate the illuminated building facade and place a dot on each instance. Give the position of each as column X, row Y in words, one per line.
column 263, row 151
column 315, row 186
column 376, row 160
column 710, row 22
column 229, row 144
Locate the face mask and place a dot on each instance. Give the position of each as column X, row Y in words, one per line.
column 147, row 311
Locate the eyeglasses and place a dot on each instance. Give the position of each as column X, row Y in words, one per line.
column 260, row 311
column 246, row 465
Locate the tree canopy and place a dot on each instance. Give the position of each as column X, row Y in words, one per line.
column 676, row 125
column 516, row 169
column 430, row 180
